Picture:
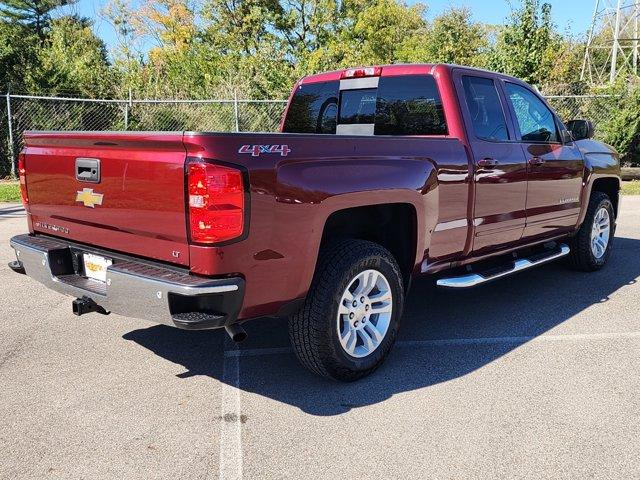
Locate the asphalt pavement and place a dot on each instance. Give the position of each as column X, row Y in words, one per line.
column 536, row 376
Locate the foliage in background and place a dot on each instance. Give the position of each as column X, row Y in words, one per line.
column 18, row 51
column 259, row 48
column 631, row 188
column 33, row 15
column 72, row 61
column 453, row 37
column 522, row 45
column 45, row 53
column 622, row 130
column 9, row 192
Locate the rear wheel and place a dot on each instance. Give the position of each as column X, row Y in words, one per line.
column 591, row 246
column 350, row 318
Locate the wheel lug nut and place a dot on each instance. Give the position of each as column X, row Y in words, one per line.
column 366, row 307
column 351, row 315
column 355, row 304
column 361, row 299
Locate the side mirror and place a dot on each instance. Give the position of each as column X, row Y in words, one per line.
column 581, row 129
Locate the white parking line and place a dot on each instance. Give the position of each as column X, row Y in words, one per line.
column 230, row 466
column 256, row 352
column 231, row 430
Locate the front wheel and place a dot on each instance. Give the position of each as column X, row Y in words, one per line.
column 591, row 246
column 351, row 315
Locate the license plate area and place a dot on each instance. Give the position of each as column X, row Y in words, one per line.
column 95, row 266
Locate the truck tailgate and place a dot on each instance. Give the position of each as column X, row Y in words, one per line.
column 138, row 204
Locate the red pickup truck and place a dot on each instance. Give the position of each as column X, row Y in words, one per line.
column 379, row 174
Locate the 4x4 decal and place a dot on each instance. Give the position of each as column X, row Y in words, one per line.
column 256, row 150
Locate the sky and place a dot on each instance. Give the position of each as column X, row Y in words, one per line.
column 571, row 16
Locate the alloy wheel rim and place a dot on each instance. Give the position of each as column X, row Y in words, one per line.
column 364, row 313
column 600, row 233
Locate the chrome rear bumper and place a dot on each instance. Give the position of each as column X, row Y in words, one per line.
column 134, row 288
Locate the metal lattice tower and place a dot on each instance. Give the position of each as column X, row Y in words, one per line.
column 612, row 44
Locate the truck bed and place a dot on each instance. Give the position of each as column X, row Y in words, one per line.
column 143, row 204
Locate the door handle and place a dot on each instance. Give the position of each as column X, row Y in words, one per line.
column 536, row 161
column 487, row 162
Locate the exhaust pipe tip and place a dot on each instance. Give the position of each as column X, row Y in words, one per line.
column 236, row 333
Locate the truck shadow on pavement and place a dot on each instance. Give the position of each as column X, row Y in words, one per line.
column 512, row 311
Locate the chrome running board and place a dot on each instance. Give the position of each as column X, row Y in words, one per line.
column 473, row 279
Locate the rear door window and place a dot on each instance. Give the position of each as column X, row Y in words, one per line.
column 485, row 109
column 409, row 105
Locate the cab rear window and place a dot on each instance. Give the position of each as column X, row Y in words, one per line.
column 402, row 105
column 313, row 108
column 357, row 106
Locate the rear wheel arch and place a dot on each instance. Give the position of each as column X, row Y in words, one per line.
column 394, row 226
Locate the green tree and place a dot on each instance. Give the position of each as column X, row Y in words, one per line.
column 73, row 61
column 306, row 29
column 369, row 32
column 18, row 50
column 33, row 14
column 176, row 65
column 523, row 45
column 620, row 122
column 243, row 33
column 564, row 60
column 452, row 38
column 381, row 30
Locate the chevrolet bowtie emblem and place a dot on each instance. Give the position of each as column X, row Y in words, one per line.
column 88, row 198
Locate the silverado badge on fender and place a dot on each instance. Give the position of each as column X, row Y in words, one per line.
column 88, row 198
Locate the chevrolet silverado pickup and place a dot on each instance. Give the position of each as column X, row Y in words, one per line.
column 379, row 174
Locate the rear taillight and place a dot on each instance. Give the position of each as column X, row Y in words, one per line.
column 22, row 175
column 216, row 202
column 361, row 72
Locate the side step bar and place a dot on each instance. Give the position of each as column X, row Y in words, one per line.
column 473, row 279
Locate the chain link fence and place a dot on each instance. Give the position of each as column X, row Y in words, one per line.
column 53, row 113
column 76, row 114
column 600, row 109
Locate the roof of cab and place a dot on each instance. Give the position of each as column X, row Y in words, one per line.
column 400, row 69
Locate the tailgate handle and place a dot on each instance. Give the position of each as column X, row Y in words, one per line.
column 88, row 170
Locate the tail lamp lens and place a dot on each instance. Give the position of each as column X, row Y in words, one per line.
column 216, row 202
column 22, row 172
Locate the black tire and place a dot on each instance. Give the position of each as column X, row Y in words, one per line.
column 312, row 329
column 581, row 256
